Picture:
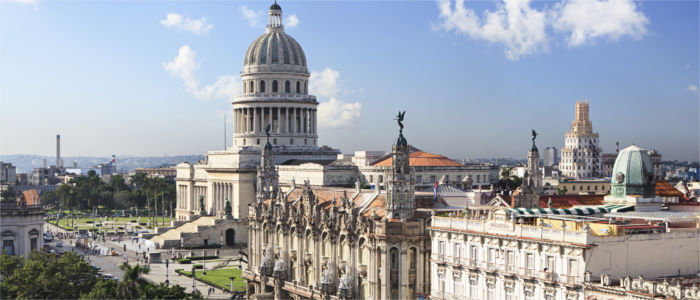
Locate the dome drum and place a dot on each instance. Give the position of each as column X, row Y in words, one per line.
column 633, row 174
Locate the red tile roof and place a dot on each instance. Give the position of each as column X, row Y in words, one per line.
column 665, row 189
column 566, row 201
column 31, row 197
column 423, row 159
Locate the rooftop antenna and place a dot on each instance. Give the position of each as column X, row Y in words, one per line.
column 618, row 147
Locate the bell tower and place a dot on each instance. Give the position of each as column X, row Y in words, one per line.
column 400, row 188
column 268, row 178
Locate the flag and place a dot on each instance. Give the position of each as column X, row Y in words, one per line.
column 435, row 191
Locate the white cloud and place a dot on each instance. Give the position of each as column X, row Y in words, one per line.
column 324, row 83
column 334, row 113
column 590, row 19
column 252, row 16
column 516, row 25
column 291, row 21
column 692, row 88
column 199, row 26
column 184, row 66
column 524, row 30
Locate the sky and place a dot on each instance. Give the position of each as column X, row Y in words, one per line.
column 157, row 78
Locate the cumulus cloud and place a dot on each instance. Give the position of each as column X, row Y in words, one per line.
column 692, row 88
column 524, row 30
column 252, row 16
column 291, row 21
column 516, row 25
column 332, row 113
column 324, row 83
column 184, row 66
column 590, row 19
column 196, row 26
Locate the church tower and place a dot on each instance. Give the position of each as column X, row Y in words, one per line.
column 267, row 178
column 400, row 188
column 529, row 192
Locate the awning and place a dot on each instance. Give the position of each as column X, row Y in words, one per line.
column 579, row 210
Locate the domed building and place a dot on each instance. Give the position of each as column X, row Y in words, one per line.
column 274, row 106
column 275, row 83
column 633, row 181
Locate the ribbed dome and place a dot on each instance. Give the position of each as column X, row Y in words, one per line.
column 275, row 51
column 633, row 173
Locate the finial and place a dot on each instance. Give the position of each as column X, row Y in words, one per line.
column 399, row 118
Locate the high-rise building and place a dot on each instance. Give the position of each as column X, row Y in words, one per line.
column 580, row 157
column 550, row 156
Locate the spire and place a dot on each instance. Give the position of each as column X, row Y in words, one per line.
column 274, row 19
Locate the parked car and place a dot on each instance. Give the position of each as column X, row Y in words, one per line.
column 59, row 244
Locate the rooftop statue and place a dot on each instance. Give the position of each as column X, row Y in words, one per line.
column 534, row 136
column 267, row 131
column 399, row 118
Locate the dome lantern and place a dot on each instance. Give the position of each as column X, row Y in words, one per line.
column 274, row 19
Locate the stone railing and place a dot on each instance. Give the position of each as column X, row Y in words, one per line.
column 511, row 229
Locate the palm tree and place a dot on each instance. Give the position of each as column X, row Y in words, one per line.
column 131, row 281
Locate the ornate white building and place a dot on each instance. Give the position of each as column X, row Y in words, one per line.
column 338, row 243
column 275, row 97
column 581, row 155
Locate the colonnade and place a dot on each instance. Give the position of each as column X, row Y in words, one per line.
column 251, row 120
column 220, row 192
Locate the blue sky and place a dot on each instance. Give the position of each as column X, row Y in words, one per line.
column 474, row 77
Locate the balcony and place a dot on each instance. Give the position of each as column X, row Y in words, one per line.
column 490, row 266
column 570, row 279
column 439, row 258
column 527, row 272
column 547, row 276
column 509, row 269
column 469, row 263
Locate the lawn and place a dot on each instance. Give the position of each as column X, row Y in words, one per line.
column 220, row 278
column 82, row 223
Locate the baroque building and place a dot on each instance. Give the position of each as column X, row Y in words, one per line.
column 338, row 243
column 581, row 155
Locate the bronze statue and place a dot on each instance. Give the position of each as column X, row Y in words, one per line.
column 201, row 206
column 534, row 135
column 399, row 118
column 228, row 209
column 267, row 130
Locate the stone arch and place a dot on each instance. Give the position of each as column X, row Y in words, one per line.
column 287, row 87
column 394, row 269
column 262, row 86
column 275, row 89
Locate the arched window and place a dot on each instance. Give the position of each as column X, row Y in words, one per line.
column 262, row 86
column 306, row 86
column 287, row 87
column 245, row 88
column 298, row 87
column 252, row 87
column 274, row 86
column 291, row 141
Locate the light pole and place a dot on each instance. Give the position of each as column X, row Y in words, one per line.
column 232, row 277
column 193, row 287
column 204, row 264
column 166, row 272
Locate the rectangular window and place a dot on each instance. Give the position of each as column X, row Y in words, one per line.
column 457, row 250
column 457, row 286
column 509, row 293
column 8, row 246
column 34, row 244
column 529, row 295
column 550, row 264
column 490, row 291
column 419, row 178
column 492, row 255
column 510, row 258
column 472, row 254
column 473, row 289
column 432, row 178
column 381, row 178
column 573, row 267
column 530, row 261
column 441, row 247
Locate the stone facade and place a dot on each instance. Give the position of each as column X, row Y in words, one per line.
column 339, row 243
column 21, row 228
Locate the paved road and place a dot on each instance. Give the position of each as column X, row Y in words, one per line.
column 110, row 265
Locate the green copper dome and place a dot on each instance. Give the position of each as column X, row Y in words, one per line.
column 275, row 6
column 633, row 173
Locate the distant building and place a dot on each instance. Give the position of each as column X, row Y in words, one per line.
column 21, row 224
column 580, row 157
column 166, row 172
column 550, row 157
column 609, row 161
column 8, row 173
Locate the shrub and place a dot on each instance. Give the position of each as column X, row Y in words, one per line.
column 142, row 223
column 88, row 222
column 199, row 266
column 203, row 257
column 183, row 261
column 132, row 221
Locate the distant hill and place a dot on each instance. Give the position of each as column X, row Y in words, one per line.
column 25, row 163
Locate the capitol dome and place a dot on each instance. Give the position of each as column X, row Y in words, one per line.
column 275, row 50
column 633, row 173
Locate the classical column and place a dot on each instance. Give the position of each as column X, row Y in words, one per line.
column 279, row 120
column 294, row 120
column 269, row 115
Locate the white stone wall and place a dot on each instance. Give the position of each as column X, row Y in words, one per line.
column 17, row 227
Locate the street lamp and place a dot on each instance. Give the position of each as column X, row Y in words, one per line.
column 193, row 287
column 232, row 277
column 166, row 272
column 204, row 264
